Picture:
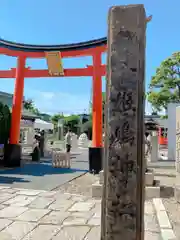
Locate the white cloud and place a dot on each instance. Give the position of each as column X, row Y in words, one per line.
column 47, row 95
column 57, row 102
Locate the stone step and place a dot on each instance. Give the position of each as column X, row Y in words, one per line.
column 150, row 192
column 177, row 193
column 149, row 177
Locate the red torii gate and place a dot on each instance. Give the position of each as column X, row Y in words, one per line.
column 93, row 48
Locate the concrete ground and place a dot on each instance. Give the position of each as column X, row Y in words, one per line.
column 42, row 175
column 69, row 212
column 51, row 215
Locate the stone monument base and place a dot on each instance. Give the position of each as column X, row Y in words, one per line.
column 177, row 194
column 177, row 186
column 152, row 187
column 95, row 159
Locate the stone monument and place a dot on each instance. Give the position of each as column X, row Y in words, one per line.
column 83, row 140
column 74, row 140
column 61, row 129
column 154, row 147
column 123, row 194
column 177, row 187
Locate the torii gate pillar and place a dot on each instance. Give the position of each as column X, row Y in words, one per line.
column 95, row 151
column 14, row 149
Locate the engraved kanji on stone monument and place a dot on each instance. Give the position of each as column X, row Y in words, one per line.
column 123, row 206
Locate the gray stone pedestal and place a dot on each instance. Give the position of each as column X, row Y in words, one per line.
column 152, row 187
column 155, row 148
column 177, row 187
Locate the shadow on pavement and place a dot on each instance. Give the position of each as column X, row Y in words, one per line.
column 166, row 192
column 39, row 169
column 10, row 180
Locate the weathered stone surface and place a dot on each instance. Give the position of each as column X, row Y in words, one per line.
column 8, row 190
column 148, row 208
column 177, row 187
column 41, row 202
column 20, row 200
column 163, row 220
column 94, row 233
column 2, row 206
column 151, row 223
column 59, row 195
column 45, row 232
column 124, row 158
column 72, row 221
column 5, row 196
column 76, row 198
column 85, row 215
column 17, row 230
column 48, row 194
column 3, row 187
column 168, row 234
column 81, row 207
column 33, row 224
column 75, row 233
column 152, row 191
column 97, row 210
column 95, row 221
column 97, row 190
column 152, row 236
column 177, row 193
column 149, row 178
column 159, row 204
column 61, row 205
column 4, row 223
column 29, row 192
column 33, row 215
column 54, row 217
column 12, row 212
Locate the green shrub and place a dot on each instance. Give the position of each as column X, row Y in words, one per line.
column 5, row 123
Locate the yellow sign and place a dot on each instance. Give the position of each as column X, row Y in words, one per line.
column 54, row 62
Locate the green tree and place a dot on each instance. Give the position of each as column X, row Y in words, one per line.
column 56, row 117
column 5, row 123
column 30, row 106
column 165, row 85
column 72, row 122
column 46, row 117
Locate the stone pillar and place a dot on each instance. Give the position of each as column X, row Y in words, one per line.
column 61, row 129
column 123, row 195
column 177, row 187
column 155, row 147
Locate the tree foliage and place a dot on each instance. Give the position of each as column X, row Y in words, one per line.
column 56, row 117
column 165, row 85
column 30, row 106
column 5, row 123
column 71, row 121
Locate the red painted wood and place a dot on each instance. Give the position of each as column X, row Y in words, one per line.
column 37, row 73
column 17, row 101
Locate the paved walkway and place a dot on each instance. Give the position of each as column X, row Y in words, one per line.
column 43, row 175
column 50, row 215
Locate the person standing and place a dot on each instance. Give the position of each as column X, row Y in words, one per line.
column 41, row 143
column 36, row 150
column 68, row 140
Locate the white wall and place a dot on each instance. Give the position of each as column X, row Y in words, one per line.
column 172, row 130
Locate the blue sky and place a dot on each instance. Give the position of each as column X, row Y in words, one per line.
column 56, row 22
